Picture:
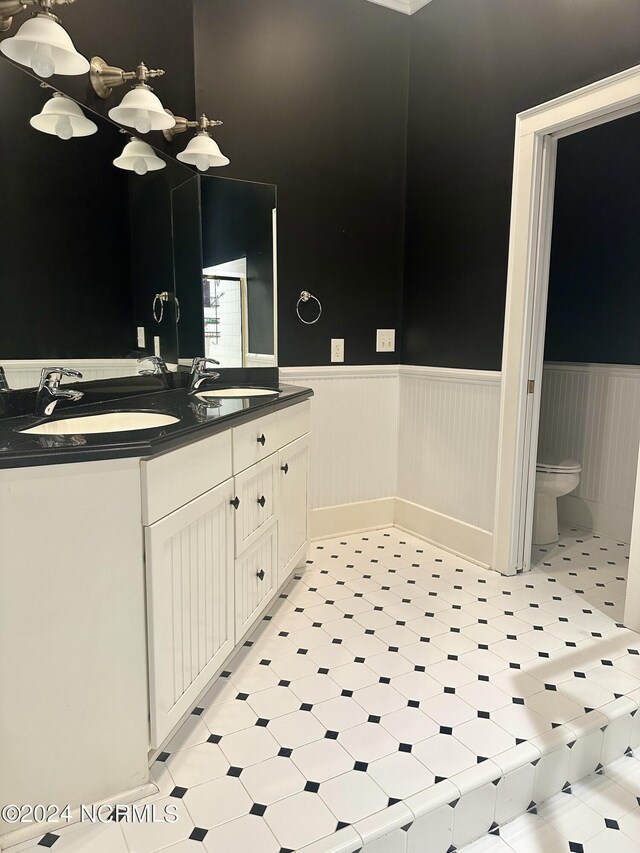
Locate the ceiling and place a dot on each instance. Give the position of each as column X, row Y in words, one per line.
column 408, row 7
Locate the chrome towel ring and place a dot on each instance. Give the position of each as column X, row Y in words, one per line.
column 159, row 298
column 305, row 296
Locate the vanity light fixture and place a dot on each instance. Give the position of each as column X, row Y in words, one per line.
column 41, row 43
column 63, row 118
column 139, row 157
column 140, row 108
column 202, row 151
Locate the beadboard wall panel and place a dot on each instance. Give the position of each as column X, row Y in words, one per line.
column 26, row 374
column 354, row 423
column 591, row 412
column 448, row 441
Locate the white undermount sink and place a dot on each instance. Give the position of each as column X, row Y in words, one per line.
column 237, row 392
column 108, row 422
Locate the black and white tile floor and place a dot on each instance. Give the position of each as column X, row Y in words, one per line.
column 590, row 565
column 395, row 699
column 597, row 815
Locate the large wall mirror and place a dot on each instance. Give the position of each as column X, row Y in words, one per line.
column 101, row 266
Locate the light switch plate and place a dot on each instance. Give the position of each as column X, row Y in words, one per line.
column 337, row 349
column 141, row 337
column 386, row 340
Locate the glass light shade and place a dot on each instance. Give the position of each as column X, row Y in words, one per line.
column 62, row 117
column 139, row 157
column 203, row 153
column 43, row 45
column 141, row 109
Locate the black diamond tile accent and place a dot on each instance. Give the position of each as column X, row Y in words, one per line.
column 283, row 683
column 242, row 697
column 323, row 671
column 198, row 834
column 413, row 703
column 576, row 847
column 392, row 801
column 384, row 680
column 446, row 730
column 264, row 662
column 331, row 735
column 197, row 711
column 262, row 722
column 610, row 823
column 257, row 809
column 346, row 693
column 372, row 718
column 178, row 792
column 48, row 840
column 517, row 700
column 449, row 689
column 358, row 660
column 163, row 756
column 234, row 771
column 360, row 765
column 483, row 715
column 306, row 706
column 285, row 752
column 404, row 747
column 312, row 787
column 214, row 739
column 341, row 825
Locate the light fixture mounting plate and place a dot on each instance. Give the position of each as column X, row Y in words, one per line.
column 98, row 77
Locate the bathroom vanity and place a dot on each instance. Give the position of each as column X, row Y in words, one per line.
column 133, row 564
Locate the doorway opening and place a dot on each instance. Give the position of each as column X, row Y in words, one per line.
column 538, row 132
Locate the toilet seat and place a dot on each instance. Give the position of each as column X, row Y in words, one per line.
column 558, row 465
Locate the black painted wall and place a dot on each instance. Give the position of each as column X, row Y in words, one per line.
column 594, row 280
column 313, row 95
column 474, row 65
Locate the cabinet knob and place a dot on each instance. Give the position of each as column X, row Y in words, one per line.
column 262, row 440
column 260, row 574
column 235, row 503
column 262, row 500
column 285, row 467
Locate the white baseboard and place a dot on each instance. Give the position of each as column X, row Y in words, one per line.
column 352, row 518
column 614, row 522
column 451, row 534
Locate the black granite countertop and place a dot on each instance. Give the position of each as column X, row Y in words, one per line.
column 158, row 394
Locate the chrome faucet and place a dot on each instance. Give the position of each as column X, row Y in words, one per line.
column 200, row 372
column 4, row 385
column 49, row 391
column 159, row 365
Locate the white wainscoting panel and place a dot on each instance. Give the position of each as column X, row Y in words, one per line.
column 354, row 424
column 26, row 373
column 448, row 441
column 591, row 412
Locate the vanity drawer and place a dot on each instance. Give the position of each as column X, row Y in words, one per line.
column 293, row 422
column 255, row 580
column 173, row 479
column 256, row 494
column 254, row 441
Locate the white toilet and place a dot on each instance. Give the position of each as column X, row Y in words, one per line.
column 554, row 477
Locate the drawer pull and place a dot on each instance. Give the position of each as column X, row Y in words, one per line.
column 262, row 500
column 285, row 467
column 235, row 503
column 260, row 574
column 262, row 440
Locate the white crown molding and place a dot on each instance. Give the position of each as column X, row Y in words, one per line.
column 408, row 7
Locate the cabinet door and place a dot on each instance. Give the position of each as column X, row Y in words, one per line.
column 257, row 493
column 189, row 566
column 293, row 518
column 256, row 579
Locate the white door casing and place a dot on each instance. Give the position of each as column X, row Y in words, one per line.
column 537, row 131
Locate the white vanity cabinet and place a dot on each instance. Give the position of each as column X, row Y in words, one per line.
column 221, row 551
column 190, row 612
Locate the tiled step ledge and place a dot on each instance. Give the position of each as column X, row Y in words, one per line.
column 463, row 808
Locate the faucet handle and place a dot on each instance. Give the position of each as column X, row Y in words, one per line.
column 50, row 377
column 159, row 365
column 200, row 364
